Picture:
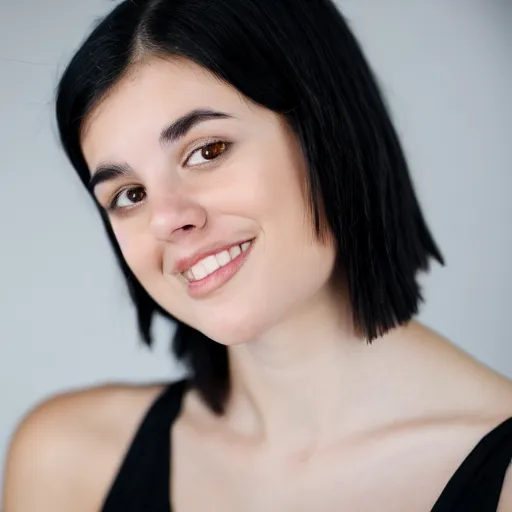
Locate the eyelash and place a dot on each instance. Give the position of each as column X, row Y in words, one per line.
column 111, row 206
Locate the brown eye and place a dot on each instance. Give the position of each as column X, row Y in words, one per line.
column 213, row 150
column 135, row 194
column 207, row 153
column 128, row 197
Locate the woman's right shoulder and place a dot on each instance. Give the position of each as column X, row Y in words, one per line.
column 65, row 453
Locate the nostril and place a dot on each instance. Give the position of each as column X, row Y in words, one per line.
column 188, row 227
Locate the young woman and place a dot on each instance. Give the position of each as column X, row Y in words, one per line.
column 256, row 194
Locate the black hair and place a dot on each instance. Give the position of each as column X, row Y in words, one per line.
column 299, row 59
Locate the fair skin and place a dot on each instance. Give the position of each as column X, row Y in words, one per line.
column 317, row 419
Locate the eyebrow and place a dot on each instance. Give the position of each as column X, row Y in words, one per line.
column 181, row 126
column 108, row 172
column 172, row 133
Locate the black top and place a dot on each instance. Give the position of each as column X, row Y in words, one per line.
column 142, row 483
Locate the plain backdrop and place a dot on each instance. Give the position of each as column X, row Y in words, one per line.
column 65, row 317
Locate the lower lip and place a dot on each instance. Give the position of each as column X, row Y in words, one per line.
column 221, row 276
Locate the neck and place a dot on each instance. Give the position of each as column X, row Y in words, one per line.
column 302, row 381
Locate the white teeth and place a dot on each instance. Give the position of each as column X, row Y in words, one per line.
column 212, row 263
column 235, row 251
column 223, row 258
column 199, row 271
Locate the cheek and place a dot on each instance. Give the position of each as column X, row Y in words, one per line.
column 122, row 239
column 268, row 190
column 139, row 252
column 298, row 260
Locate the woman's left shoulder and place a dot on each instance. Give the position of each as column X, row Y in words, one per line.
column 457, row 378
column 475, row 398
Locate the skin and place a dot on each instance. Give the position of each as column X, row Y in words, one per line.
column 318, row 419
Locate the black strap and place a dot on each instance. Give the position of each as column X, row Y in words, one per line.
column 142, row 482
column 476, row 485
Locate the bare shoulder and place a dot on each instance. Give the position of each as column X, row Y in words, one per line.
column 454, row 379
column 66, row 451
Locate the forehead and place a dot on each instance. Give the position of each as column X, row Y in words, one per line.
column 152, row 94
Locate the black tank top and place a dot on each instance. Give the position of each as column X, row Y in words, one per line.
column 142, row 483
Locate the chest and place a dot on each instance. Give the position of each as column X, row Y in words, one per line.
column 231, row 495
column 367, row 477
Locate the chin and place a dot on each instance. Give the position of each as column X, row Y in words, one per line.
column 232, row 335
column 232, row 328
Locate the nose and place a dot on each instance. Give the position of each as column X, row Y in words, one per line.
column 174, row 217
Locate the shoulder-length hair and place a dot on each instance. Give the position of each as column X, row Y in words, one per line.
column 299, row 59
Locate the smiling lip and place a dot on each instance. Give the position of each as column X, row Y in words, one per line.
column 187, row 263
column 222, row 275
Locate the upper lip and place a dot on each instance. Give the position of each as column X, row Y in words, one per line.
column 184, row 264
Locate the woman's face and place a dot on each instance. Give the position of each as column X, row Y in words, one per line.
column 209, row 213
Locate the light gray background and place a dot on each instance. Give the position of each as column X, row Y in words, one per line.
column 65, row 319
